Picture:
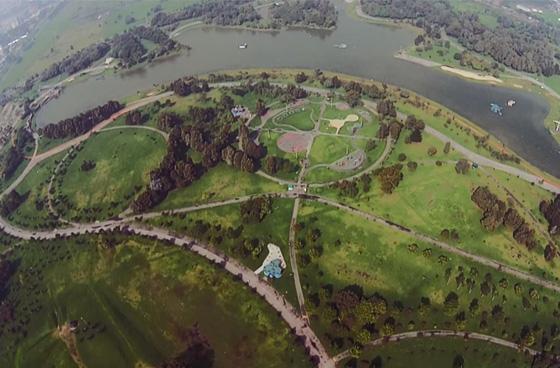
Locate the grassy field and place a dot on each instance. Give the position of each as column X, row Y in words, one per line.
column 33, row 213
column 378, row 260
column 76, row 25
column 221, row 182
column 123, row 159
column 135, row 302
column 273, row 229
column 441, row 353
column 485, row 14
column 299, row 119
column 327, row 149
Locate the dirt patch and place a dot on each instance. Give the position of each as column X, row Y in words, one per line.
column 294, row 142
column 342, row 106
column 65, row 334
column 471, row 75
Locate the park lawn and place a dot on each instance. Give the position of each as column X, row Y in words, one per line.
column 441, row 352
column 220, row 183
column 553, row 82
column 135, row 302
column 323, row 174
column 418, row 152
column 36, row 183
column 299, row 118
column 378, row 260
column 459, row 130
column 123, row 159
column 328, row 149
column 485, row 14
column 273, row 229
column 438, row 54
column 269, row 140
column 46, row 144
column 434, row 198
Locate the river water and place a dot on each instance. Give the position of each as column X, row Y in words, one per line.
column 369, row 54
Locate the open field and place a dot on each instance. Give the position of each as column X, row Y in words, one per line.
column 33, row 213
column 442, row 352
column 381, row 262
column 135, row 302
column 218, row 227
column 126, row 154
column 221, row 182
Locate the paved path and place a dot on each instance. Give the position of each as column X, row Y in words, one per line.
column 423, row 334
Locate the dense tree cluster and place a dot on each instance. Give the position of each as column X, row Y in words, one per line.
column 551, row 212
column 389, row 177
column 128, row 48
column 135, row 118
column 206, row 131
column 219, row 12
column 82, row 123
column 186, row 86
column 11, row 202
column 518, row 44
column 77, row 61
column 416, row 127
column 87, row 165
column 386, row 108
column 314, row 13
column 15, row 153
column 7, row 270
column 256, row 209
column 274, row 165
column 462, row 166
column 497, row 213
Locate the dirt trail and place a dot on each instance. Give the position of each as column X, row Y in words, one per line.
column 69, row 339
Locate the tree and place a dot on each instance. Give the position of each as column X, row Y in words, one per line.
column 458, row 361
column 389, row 177
column 432, row 151
column 260, row 107
column 256, row 209
column 462, row 166
column 385, row 108
column 300, row 77
column 198, row 353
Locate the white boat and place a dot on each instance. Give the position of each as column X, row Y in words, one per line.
column 243, row 45
column 510, row 103
column 340, row 45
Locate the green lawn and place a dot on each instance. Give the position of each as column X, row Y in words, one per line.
column 221, row 182
column 273, row 229
column 441, row 353
column 299, row 118
column 378, row 260
column 33, row 213
column 327, row 149
column 135, row 302
column 123, row 159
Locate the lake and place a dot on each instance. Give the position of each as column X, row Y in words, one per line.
column 369, row 54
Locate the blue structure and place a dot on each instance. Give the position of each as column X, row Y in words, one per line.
column 273, row 270
column 496, row 109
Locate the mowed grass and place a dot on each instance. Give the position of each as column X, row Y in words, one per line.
column 299, row 118
column 433, row 198
column 328, row 149
column 378, row 260
column 220, row 183
column 273, row 229
column 123, row 159
column 135, row 304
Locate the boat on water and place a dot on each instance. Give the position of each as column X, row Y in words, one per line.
column 510, row 103
column 496, row 109
column 243, row 45
column 340, row 45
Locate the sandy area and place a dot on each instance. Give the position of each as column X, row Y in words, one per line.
column 471, row 75
column 339, row 123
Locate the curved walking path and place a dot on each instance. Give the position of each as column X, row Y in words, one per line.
column 37, row 158
column 422, row 334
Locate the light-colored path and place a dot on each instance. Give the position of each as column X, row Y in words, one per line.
column 423, row 334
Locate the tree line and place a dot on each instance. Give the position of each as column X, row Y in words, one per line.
column 313, row 13
column 14, row 156
column 82, row 123
column 219, row 12
column 516, row 44
column 496, row 213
